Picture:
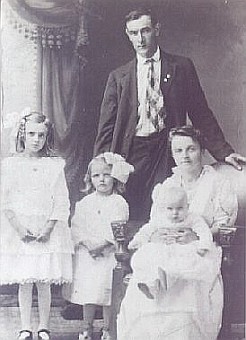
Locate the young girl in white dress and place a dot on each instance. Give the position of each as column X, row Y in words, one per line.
column 91, row 228
column 160, row 257
column 36, row 244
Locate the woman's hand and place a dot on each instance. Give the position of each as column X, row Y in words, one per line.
column 187, row 236
column 166, row 236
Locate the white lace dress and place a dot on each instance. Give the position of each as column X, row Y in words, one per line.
column 188, row 310
column 35, row 189
column 178, row 260
column 92, row 278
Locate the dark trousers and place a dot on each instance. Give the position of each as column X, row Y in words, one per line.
column 148, row 155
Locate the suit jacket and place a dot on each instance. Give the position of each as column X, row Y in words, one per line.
column 182, row 94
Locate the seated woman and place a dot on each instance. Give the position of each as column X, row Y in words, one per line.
column 188, row 310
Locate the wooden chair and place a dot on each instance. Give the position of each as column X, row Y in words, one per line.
column 123, row 232
column 233, row 246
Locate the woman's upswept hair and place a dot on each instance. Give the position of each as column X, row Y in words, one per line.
column 119, row 187
column 35, row 117
column 188, row 131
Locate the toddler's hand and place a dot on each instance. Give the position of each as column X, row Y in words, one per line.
column 93, row 244
column 102, row 250
column 79, row 244
column 95, row 253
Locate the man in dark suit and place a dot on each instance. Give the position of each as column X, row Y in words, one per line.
column 143, row 100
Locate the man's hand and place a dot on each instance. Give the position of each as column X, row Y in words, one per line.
column 235, row 159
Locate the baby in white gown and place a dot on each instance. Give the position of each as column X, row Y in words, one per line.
column 162, row 257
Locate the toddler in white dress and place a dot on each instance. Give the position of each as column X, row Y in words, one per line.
column 36, row 244
column 93, row 238
column 161, row 257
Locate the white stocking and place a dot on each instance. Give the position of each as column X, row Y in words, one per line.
column 25, row 304
column 89, row 311
column 44, row 303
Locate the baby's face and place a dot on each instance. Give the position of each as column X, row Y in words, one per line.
column 175, row 208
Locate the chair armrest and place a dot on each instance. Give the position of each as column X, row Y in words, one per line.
column 225, row 236
column 123, row 232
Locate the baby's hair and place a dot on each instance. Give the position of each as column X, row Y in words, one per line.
column 119, row 187
column 188, row 131
column 35, row 117
column 172, row 191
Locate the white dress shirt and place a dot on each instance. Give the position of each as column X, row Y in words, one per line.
column 145, row 127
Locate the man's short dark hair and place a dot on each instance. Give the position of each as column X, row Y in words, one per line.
column 139, row 12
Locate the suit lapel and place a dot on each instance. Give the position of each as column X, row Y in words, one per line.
column 129, row 84
column 129, row 79
column 168, row 69
column 129, row 88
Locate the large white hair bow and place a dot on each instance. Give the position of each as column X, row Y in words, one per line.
column 12, row 121
column 120, row 168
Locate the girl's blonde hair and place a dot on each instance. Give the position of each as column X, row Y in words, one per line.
column 118, row 187
column 35, row 117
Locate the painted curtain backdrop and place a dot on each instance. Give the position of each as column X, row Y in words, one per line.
column 43, row 69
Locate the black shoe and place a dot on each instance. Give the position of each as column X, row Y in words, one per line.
column 25, row 335
column 43, row 334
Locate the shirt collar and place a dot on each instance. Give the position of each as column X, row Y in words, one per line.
column 156, row 57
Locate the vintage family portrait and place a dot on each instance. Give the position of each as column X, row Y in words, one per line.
column 123, row 170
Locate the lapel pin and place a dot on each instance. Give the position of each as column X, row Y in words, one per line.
column 168, row 76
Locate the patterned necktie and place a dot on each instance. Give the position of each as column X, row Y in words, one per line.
column 154, row 99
